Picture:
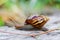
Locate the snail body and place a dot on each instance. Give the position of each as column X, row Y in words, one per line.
column 37, row 22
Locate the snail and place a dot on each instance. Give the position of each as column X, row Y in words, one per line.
column 37, row 21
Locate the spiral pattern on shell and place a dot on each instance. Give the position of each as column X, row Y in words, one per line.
column 37, row 21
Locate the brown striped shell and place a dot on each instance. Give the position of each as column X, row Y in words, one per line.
column 37, row 21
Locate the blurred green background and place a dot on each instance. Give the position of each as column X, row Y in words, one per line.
column 31, row 4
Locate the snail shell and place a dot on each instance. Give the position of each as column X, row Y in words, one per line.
column 37, row 21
